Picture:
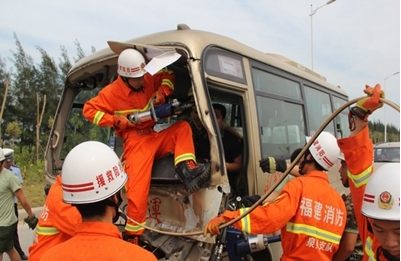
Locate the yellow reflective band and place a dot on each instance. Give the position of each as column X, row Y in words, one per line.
column 314, row 232
column 164, row 70
column 135, row 228
column 184, row 157
column 368, row 249
column 98, row 117
column 47, row 231
column 362, row 178
column 279, row 197
column 168, row 83
column 245, row 221
column 272, row 164
column 147, row 107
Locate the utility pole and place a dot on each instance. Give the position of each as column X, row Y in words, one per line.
column 312, row 12
column 385, row 114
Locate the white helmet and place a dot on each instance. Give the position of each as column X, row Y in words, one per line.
column 2, row 157
column 131, row 64
column 341, row 156
column 325, row 149
column 91, row 172
column 381, row 199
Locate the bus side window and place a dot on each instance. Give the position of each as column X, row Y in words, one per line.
column 281, row 126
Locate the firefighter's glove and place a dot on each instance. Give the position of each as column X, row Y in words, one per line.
column 366, row 106
column 158, row 98
column 121, row 122
column 32, row 221
column 213, row 226
column 248, row 201
column 271, row 165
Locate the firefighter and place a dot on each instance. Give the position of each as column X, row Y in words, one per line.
column 57, row 223
column 134, row 91
column 93, row 177
column 309, row 212
column 376, row 196
column 350, row 245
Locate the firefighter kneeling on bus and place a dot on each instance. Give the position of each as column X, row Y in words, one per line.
column 309, row 212
column 134, row 91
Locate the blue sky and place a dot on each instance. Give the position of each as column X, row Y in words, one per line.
column 355, row 42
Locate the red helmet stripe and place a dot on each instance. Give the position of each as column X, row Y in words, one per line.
column 369, row 198
column 78, row 187
column 325, row 159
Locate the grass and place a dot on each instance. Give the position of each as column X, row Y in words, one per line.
column 34, row 193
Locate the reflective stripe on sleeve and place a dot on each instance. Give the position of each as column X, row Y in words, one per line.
column 245, row 221
column 98, row 117
column 124, row 112
column 368, row 249
column 47, row 231
column 362, row 178
column 314, row 232
column 168, row 83
column 135, row 228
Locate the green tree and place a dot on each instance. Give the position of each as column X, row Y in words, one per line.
column 25, row 85
column 4, row 77
column 376, row 129
column 64, row 64
column 51, row 85
column 80, row 51
column 14, row 131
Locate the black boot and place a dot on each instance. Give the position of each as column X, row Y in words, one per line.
column 194, row 176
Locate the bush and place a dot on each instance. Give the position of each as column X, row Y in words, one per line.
column 32, row 171
column 33, row 174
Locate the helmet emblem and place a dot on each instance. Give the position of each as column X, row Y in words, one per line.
column 386, row 200
column 142, row 65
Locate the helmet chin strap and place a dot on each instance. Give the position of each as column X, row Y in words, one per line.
column 302, row 163
column 125, row 80
column 116, row 205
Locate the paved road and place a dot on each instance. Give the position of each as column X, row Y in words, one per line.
column 26, row 235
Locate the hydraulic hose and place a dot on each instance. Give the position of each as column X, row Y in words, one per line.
column 263, row 197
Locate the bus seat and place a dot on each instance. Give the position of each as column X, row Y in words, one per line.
column 293, row 134
column 266, row 135
column 279, row 135
column 163, row 171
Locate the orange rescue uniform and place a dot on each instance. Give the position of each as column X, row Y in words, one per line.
column 358, row 153
column 310, row 214
column 142, row 145
column 97, row 241
column 57, row 223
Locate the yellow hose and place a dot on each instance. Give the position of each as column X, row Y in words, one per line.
column 263, row 197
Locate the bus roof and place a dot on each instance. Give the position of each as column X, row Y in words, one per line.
column 197, row 41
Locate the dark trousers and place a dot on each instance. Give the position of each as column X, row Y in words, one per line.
column 16, row 238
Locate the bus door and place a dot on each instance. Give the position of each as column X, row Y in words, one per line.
column 233, row 130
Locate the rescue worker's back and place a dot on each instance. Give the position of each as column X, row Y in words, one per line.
column 309, row 212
